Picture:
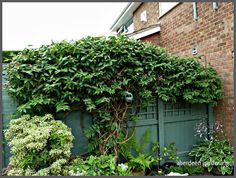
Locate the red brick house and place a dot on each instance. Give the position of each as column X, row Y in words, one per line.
column 189, row 28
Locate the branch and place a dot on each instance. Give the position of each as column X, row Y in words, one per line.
column 127, row 139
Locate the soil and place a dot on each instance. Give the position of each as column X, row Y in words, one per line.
column 138, row 173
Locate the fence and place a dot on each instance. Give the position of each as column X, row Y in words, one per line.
column 168, row 123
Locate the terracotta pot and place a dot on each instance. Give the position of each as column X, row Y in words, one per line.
column 138, row 173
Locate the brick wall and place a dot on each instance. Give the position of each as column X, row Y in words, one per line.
column 153, row 38
column 152, row 15
column 212, row 35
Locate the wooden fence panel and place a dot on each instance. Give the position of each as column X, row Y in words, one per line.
column 168, row 123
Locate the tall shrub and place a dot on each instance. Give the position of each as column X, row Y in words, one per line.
column 95, row 74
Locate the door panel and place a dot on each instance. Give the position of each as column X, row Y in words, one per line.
column 148, row 119
column 179, row 122
column 78, row 121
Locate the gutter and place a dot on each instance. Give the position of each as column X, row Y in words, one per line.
column 125, row 15
column 121, row 14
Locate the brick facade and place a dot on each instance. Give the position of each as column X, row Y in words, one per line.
column 212, row 35
column 152, row 15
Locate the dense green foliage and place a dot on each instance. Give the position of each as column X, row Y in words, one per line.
column 104, row 165
column 186, row 79
column 134, row 147
column 214, row 153
column 140, row 162
column 39, row 145
column 95, row 73
column 138, row 156
column 8, row 55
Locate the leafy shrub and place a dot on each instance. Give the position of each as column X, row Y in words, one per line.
column 104, row 165
column 139, row 159
column 95, row 73
column 8, row 55
column 124, row 170
column 186, row 79
column 214, row 153
column 40, row 145
column 169, row 153
column 141, row 162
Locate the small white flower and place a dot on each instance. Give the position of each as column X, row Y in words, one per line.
column 123, row 167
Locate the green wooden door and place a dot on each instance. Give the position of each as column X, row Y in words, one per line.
column 172, row 123
column 148, row 119
column 177, row 124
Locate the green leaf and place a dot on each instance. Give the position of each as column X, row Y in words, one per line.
column 62, row 106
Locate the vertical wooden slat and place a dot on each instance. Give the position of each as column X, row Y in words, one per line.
column 78, row 121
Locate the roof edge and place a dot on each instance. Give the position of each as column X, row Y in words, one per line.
column 125, row 15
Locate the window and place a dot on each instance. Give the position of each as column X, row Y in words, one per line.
column 127, row 28
column 130, row 28
column 164, row 7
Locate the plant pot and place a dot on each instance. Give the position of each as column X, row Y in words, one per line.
column 138, row 173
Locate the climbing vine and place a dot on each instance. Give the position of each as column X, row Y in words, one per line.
column 95, row 73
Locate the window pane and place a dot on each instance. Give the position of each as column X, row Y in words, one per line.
column 130, row 28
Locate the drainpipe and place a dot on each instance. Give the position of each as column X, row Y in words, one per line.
column 195, row 11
